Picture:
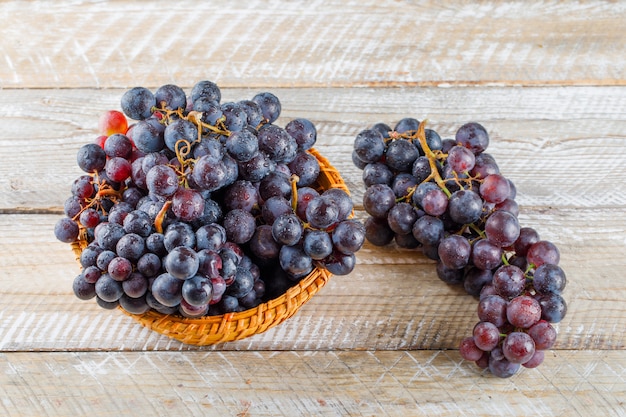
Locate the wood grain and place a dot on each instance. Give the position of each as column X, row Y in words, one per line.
column 317, row 43
column 416, row 383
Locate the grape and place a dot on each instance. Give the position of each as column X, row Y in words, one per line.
column 139, row 222
column 339, row 263
column 167, row 290
column 377, row 231
column 518, row 347
column 303, row 131
column 348, row 237
column 275, row 184
column 495, row 188
column 130, row 246
column 486, row 255
column 135, row 286
column 378, row 199
column 408, row 124
column 287, row 229
column 461, row 159
column 180, row 130
column 492, row 308
column 243, row 283
column 137, row 103
column 502, row 228
column 543, row 252
column 502, row 367
column 401, row 218
column 553, row 307
column 269, row 104
column 91, row 158
column 306, row 167
column 369, row 146
column 377, row 173
column 187, row 204
column 509, row 281
column 66, row 230
column 322, row 212
column 535, row 360
column 242, row 146
column 162, row 180
column 523, row 311
column 149, row 264
column 171, row 97
column 112, row 122
column 317, row 244
column 182, row 262
column 475, row 280
column 83, row 289
column 211, row 237
column 197, row 291
column 465, row 207
column 473, row 136
column 118, row 145
column 108, row 289
column 295, row 261
column 178, row 234
column 435, row 202
column 254, row 116
column 486, row 336
column 400, row 155
column 549, row 278
column 239, row 225
column 134, row 305
column 454, row 251
column 428, row 230
column 469, row 351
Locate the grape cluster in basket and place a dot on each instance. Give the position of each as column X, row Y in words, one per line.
column 448, row 199
column 202, row 207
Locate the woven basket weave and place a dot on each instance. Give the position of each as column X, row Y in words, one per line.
column 211, row 330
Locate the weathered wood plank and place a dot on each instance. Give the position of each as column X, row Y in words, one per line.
column 561, row 146
column 416, row 383
column 393, row 299
column 319, row 43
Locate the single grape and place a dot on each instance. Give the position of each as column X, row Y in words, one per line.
column 108, row 289
column 287, row 229
column 500, row 366
column 401, row 218
column 242, row 145
column 112, row 122
column 66, row 230
column 135, row 286
column 523, row 311
column 137, row 103
column 460, row 159
column 400, row 155
column 486, row 255
column 269, row 104
column 468, row 349
column 295, row 261
column 91, row 158
column 369, row 146
column 486, row 335
column 317, row 244
column 322, row 212
column 492, row 308
column 171, row 97
column 465, row 207
column 83, row 288
column 502, row 228
column 378, row 199
column 549, row 278
column 518, row 347
column 239, row 225
column 543, row 252
column 509, row 281
column 349, row 235
column 473, row 136
column 495, row 188
column 553, row 307
column 454, row 251
column 167, row 290
column 182, row 263
column 377, row 231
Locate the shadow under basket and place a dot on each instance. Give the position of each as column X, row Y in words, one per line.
column 209, row 330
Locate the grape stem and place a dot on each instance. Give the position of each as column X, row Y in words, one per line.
column 158, row 221
column 420, row 135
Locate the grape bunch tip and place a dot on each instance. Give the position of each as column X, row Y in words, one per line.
column 448, row 198
column 195, row 207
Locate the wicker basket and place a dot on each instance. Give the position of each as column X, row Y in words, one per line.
column 210, row 330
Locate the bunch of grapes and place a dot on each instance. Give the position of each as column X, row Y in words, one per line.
column 448, row 199
column 202, row 207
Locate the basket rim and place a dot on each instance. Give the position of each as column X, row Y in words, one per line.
column 212, row 329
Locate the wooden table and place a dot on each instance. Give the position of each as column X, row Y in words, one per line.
column 546, row 78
